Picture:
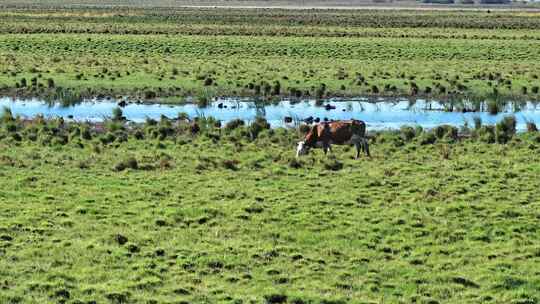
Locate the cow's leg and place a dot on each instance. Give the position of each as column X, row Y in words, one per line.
column 326, row 147
column 359, row 146
column 366, row 146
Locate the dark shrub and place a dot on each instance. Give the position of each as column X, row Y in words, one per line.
column 451, row 133
column 477, row 122
column 194, row 127
column 407, row 133
column 62, row 293
column 414, row 89
column 150, row 122
column 398, row 141
column 32, row 136
column 115, row 297
column 164, row 132
column 16, row 137
column 275, row 299
column 117, row 114
column 428, row 138
column 333, row 165
column 120, row 239
column 50, row 83
column 267, row 88
column 442, row 89
column 295, row 92
column 60, row 140
column 75, row 130
column 86, row 134
column 138, row 134
column 149, row 95
column 493, row 107
column 165, row 163
column 183, row 116
column 231, row 164
column 120, row 136
column 276, row 90
column 130, row 163
column 7, row 115
column 257, row 126
column 295, row 163
column 505, row 129
column 152, row 132
column 233, row 124
column 202, row 101
column 439, row 131
column 114, row 126
column 486, row 134
column 107, row 138
column 319, row 93
column 11, row 127
column 531, row 127
column 446, row 131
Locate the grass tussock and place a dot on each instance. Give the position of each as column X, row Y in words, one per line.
column 129, row 163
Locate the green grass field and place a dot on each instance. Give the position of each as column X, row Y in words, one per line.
column 152, row 213
column 153, row 54
column 157, row 215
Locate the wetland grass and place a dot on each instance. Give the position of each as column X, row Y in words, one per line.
column 183, row 215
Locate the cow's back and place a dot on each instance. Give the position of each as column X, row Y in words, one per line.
column 342, row 131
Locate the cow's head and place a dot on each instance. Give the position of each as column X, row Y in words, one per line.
column 302, row 148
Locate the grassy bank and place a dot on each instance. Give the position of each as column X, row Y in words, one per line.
column 152, row 54
column 159, row 214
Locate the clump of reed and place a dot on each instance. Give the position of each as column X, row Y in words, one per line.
column 505, row 129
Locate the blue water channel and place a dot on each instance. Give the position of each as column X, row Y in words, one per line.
column 378, row 114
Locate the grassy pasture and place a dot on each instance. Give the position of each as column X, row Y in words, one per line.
column 186, row 52
column 290, row 4
column 157, row 215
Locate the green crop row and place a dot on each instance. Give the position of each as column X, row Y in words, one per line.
column 271, row 17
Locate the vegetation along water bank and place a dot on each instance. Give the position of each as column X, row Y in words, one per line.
column 172, row 54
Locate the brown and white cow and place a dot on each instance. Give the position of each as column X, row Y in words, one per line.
column 339, row 132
